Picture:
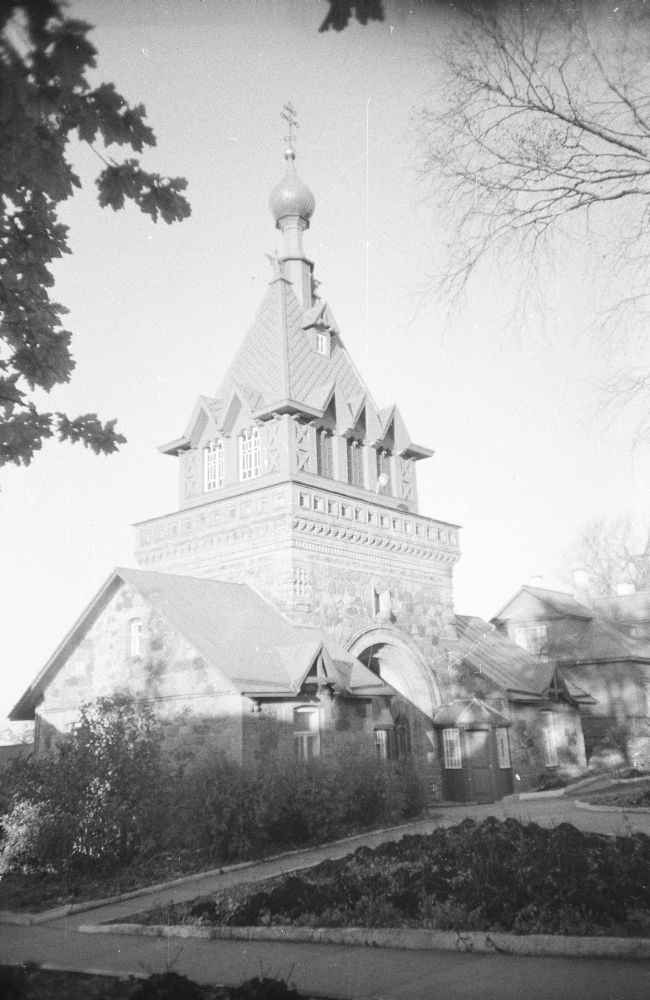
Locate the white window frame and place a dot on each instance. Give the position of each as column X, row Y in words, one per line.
column 249, row 454
column 306, row 734
column 382, row 744
column 503, row 746
column 135, row 637
column 550, row 739
column 213, row 466
column 451, row 750
column 322, row 344
column 532, row 638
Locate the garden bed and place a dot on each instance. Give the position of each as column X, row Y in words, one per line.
column 489, row 876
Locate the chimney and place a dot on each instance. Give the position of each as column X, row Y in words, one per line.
column 581, row 587
column 535, row 581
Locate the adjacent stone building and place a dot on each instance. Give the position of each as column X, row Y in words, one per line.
column 298, row 603
column 602, row 645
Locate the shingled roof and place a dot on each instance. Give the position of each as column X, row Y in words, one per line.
column 277, row 369
column 579, row 634
column 235, row 630
column 518, row 673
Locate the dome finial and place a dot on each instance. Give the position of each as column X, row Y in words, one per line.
column 291, row 198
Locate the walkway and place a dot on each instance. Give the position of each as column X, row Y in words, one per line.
column 338, row 971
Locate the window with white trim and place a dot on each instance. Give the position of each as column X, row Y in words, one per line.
column 135, row 637
column 306, row 733
column 323, row 343
column 451, row 749
column 532, row 638
column 355, row 463
column 382, row 744
column 213, row 466
column 324, row 454
column 550, row 739
column 249, row 454
column 503, row 748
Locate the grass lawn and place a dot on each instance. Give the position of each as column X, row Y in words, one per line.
column 32, row 983
column 30, row 892
column 632, row 796
column 492, row 876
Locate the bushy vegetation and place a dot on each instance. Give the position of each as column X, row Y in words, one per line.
column 97, row 804
column 503, row 876
column 113, row 799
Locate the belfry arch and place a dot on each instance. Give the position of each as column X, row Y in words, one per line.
column 394, row 656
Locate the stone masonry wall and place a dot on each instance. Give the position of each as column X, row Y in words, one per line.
column 169, row 675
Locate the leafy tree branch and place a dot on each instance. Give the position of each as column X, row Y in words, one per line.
column 47, row 104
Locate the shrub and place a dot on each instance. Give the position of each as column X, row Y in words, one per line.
column 113, row 780
column 13, row 982
column 98, row 802
column 35, row 835
column 264, row 989
column 166, row 986
column 217, row 809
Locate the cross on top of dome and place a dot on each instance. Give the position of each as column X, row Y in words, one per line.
column 291, row 198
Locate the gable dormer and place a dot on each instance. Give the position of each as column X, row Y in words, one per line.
column 321, row 328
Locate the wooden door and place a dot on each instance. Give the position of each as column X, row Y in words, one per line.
column 480, row 765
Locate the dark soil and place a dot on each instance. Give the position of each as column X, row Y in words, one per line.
column 32, row 983
column 491, row 876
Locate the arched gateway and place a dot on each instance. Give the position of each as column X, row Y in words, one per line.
column 392, row 654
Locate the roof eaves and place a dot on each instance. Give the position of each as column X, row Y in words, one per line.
column 417, row 451
column 286, row 406
column 175, row 447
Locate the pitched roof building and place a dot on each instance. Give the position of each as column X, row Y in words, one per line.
column 298, row 602
column 603, row 648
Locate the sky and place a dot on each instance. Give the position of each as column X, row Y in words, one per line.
column 524, row 454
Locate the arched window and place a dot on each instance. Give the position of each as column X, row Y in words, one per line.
column 324, row 454
column 135, row 637
column 249, row 454
column 384, row 474
column 213, row 466
column 402, row 737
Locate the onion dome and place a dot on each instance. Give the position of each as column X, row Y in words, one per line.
column 291, row 196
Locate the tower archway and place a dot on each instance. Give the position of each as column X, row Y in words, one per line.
column 394, row 657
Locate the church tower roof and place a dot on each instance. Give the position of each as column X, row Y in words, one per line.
column 292, row 360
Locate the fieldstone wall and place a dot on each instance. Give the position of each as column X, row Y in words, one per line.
column 527, row 744
column 168, row 674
